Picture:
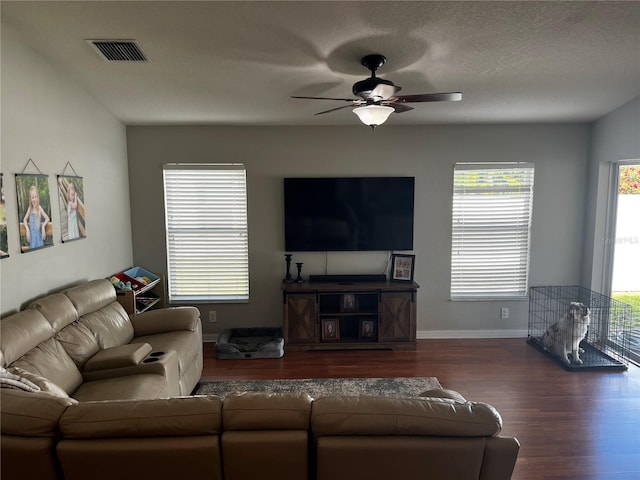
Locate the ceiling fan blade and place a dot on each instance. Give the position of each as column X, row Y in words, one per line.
column 328, row 98
column 428, row 97
column 398, row 107
column 334, row 109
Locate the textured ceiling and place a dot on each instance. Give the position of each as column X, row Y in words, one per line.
column 238, row 63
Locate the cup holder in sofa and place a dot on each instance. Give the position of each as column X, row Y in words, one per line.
column 153, row 357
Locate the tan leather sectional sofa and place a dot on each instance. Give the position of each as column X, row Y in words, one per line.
column 254, row 435
column 81, row 343
column 113, row 404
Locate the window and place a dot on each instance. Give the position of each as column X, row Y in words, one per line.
column 206, row 225
column 491, row 230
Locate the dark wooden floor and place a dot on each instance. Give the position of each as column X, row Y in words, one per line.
column 581, row 425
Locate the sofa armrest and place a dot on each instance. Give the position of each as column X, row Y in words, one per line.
column 165, row 365
column 116, row 357
column 165, row 320
column 500, row 458
column 166, row 417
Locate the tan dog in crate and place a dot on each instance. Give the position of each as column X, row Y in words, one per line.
column 563, row 337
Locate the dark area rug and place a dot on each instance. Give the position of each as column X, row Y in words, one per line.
column 321, row 387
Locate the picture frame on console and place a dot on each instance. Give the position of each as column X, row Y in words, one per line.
column 349, row 303
column 367, row 330
column 330, row 329
column 402, row 266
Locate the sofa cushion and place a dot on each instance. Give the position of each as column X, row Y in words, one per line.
column 44, row 384
column 79, row 342
column 30, row 414
column 266, row 411
column 51, row 361
column 110, row 325
column 21, row 333
column 127, row 387
column 402, row 416
column 57, row 309
column 91, row 296
column 180, row 416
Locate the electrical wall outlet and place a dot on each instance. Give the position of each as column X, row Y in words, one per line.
column 213, row 316
column 504, row 313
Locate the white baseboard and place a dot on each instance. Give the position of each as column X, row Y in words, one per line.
column 443, row 334
column 435, row 334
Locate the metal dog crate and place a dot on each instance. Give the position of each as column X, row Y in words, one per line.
column 607, row 342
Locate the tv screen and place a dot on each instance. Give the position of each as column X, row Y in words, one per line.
column 348, row 214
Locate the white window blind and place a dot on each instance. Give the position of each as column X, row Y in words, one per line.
column 491, row 230
column 206, row 225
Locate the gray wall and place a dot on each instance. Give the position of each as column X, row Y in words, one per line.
column 47, row 118
column 614, row 138
column 560, row 153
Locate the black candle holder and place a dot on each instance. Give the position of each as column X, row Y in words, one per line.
column 288, row 278
column 299, row 266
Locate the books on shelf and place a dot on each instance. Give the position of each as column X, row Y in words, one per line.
column 141, row 291
column 148, row 299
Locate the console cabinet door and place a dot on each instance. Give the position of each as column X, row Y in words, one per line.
column 300, row 318
column 398, row 317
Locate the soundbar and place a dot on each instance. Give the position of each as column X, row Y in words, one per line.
column 373, row 277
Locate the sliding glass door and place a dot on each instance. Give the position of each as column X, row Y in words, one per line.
column 625, row 268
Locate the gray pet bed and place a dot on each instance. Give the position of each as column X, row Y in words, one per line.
column 250, row 343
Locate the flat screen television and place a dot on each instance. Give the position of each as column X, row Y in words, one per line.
column 348, row 214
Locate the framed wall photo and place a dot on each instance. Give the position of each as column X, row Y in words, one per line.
column 330, row 329
column 34, row 212
column 368, row 330
column 402, row 267
column 72, row 212
column 349, row 303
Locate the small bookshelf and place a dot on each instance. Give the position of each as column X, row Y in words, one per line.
column 147, row 291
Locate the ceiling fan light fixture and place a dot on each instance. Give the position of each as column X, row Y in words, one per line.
column 373, row 115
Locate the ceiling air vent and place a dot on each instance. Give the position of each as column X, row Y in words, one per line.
column 119, row 50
